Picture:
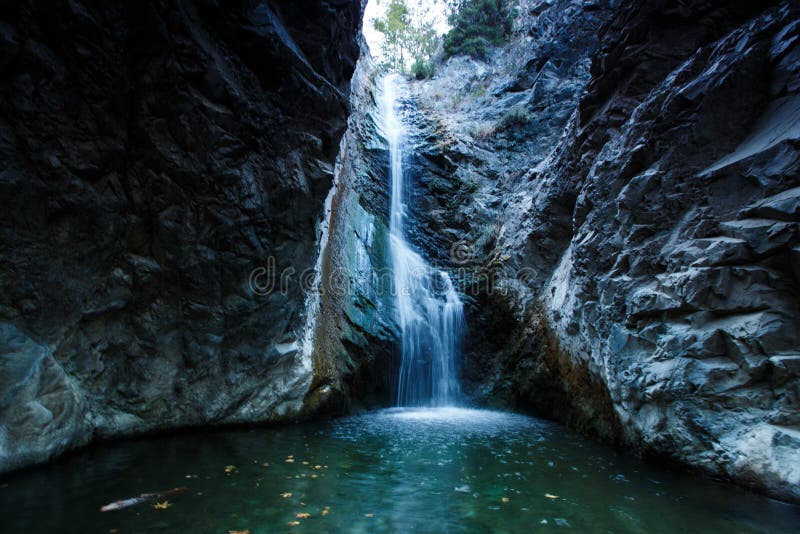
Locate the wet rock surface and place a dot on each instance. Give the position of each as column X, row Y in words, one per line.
column 153, row 155
column 356, row 336
column 627, row 226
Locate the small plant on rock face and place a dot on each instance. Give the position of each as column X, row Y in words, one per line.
column 422, row 69
column 482, row 131
column 478, row 93
column 516, row 116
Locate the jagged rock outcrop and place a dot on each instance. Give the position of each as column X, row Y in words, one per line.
column 629, row 232
column 153, row 155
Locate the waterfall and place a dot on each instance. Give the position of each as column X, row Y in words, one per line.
column 430, row 312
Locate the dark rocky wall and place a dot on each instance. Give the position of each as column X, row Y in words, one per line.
column 632, row 172
column 152, row 154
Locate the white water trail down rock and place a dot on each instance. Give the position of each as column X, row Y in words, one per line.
column 430, row 312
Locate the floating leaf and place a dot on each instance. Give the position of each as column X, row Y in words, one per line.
column 302, row 515
column 293, row 523
column 314, row 476
column 286, row 495
column 230, row 469
column 162, row 505
column 318, row 466
column 505, row 499
column 551, row 496
column 369, row 515
column 265, row 464
column 326, row 510
column 290, row 460
column 245, row 531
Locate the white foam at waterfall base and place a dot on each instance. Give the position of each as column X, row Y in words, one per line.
column 430, row 311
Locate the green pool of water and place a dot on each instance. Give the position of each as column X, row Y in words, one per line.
column 445, row 470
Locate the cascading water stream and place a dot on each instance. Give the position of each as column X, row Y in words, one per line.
column 429, row 308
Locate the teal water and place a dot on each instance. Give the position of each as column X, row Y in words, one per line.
column 398, row 470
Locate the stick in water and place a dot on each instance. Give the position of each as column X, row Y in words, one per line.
column 144, row 497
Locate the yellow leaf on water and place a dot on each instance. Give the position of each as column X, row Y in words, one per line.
column 162, row 505
column 230, row 469
column 318, row 467
column 246, row 531
column 325, row 511
column 302, row 515
column 551, row 496
column 286, row 495
column 290, row 460
column 305, row 463
column 505, row 499
column 314, row 476
column 369, row 515
column 293, row 523
column 265, row 464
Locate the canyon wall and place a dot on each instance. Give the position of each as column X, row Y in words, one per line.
column 618, row 190
column 153, row 155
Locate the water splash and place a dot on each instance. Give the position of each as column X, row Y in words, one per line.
column 431, row 314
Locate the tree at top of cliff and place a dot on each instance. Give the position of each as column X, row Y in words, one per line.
column 477, row 25
column 409, row 35
column 394, row 26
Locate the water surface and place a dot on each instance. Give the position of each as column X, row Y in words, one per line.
column 442, row 470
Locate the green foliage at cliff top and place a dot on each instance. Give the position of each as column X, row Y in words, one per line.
column 409, row 36
column 476, row 26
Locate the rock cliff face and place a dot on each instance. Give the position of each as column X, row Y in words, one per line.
column 620, row 187
column 152, row 155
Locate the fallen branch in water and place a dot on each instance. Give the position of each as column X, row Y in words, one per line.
column 144, row 497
